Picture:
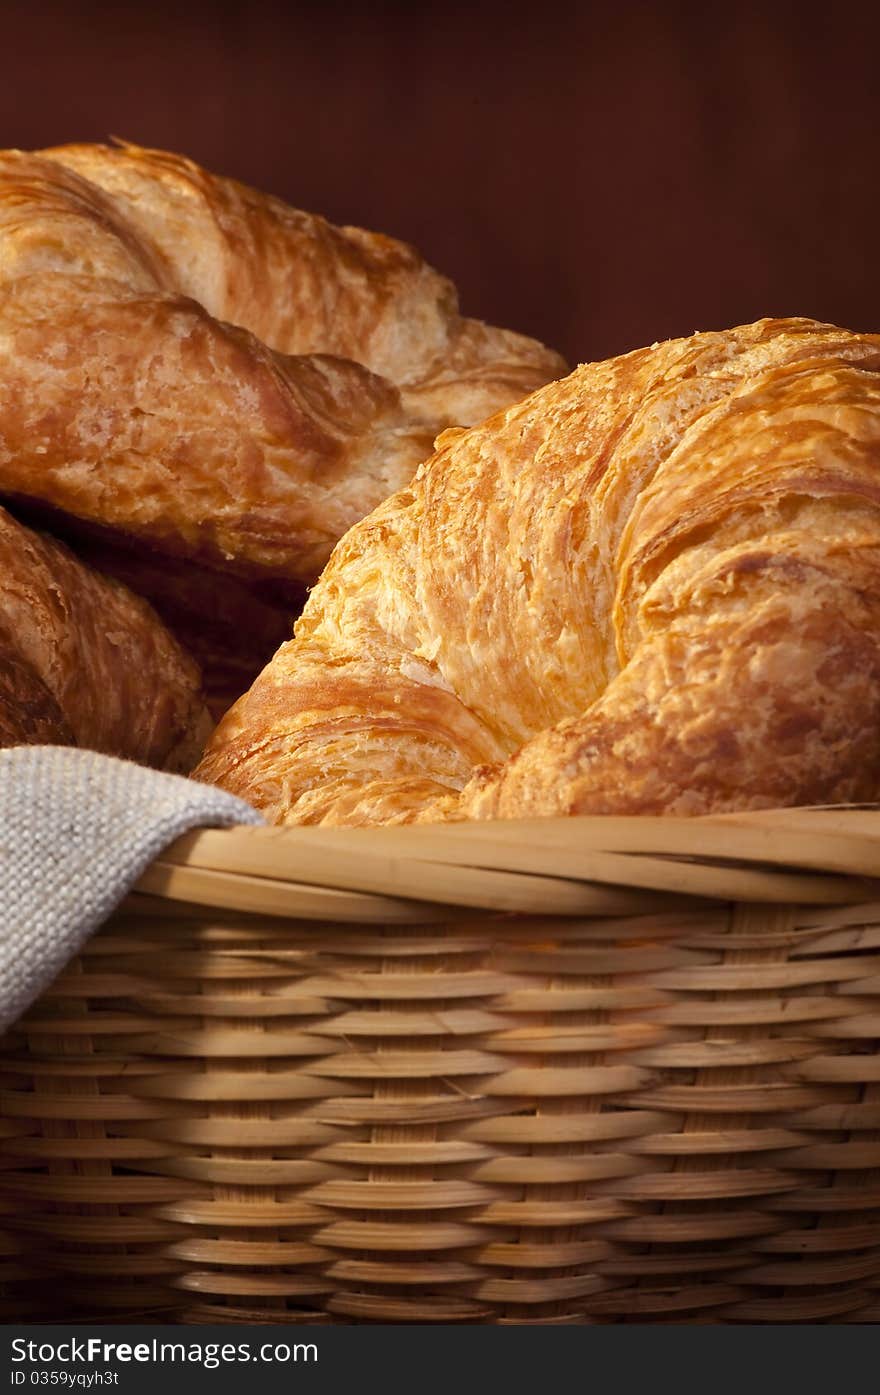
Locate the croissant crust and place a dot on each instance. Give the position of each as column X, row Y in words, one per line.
column 214, row 374
column 651, row 587
column 84, row 662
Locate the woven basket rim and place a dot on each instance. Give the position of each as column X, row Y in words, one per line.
column 591, row 865
column 585, row 1112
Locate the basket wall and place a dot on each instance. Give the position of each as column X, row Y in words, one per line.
column 503, row 1119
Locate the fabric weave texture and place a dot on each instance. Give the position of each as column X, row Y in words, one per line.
column 77, row 829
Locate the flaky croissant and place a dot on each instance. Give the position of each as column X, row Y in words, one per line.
column 652, row 587
column 218, row 381
column 214, row 374
column 84, row 662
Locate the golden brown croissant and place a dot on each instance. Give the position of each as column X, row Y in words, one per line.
column 651, row 587
column 223, row 378
column 83, row 662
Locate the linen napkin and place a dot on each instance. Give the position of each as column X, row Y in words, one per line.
column 77, row 829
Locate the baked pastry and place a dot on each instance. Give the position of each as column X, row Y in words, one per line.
column 652, row 587
column 214, row 374
column 84, row 662
column 230, row 628
column 29, row 715
column 194, row 375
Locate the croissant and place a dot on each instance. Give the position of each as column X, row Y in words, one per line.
column 652, row 587
column 216, row 375
column 84, row 662
column 219, row 382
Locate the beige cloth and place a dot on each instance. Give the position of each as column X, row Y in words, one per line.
column 77, row 829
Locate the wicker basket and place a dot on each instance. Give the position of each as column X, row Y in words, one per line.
column 593, row 1070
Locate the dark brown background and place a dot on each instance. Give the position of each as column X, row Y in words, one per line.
column 598, row 180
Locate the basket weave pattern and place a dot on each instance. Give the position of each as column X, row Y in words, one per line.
column 218, row 1114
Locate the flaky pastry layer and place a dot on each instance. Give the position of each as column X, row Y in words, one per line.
column 651, row 587
column 85, row 662
column 203, row 369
